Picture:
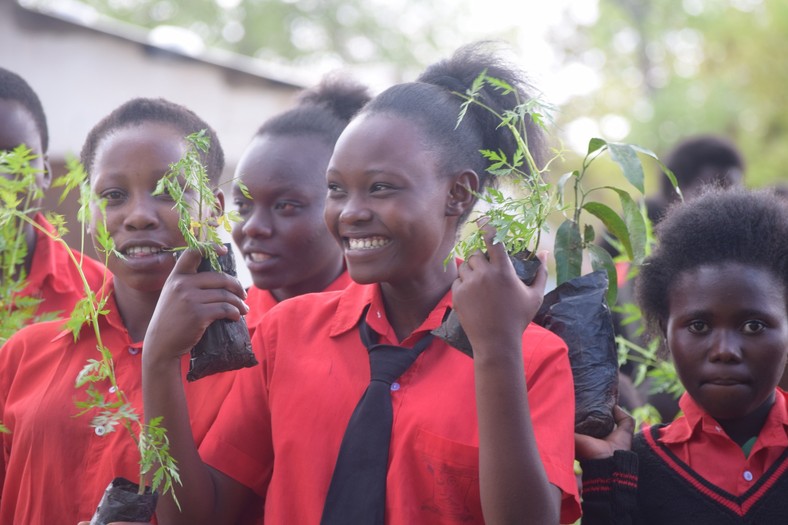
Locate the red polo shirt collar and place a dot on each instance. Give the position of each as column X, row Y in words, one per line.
column 351, row 306
column 695, row 420
column 111, row 318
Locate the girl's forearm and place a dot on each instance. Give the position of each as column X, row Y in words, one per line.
column 164, row 395
column 513, row 481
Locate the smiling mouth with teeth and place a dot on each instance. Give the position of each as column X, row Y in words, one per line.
column 369, row 243
column 257, row 256
column 142, row 251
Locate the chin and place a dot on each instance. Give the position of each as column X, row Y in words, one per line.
column 267, row 282
column 363, row 277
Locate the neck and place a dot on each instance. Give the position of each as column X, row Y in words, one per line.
column 407, row 306
column 136, row 309
column 740, row 430
column 30, row 240
column 315, row 284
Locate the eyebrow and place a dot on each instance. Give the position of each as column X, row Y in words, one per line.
column 368, row 172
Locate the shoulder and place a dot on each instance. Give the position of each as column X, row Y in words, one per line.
column 646, row 441
column 305, row 306
column 39, row 339
column 94, row 271
column 38, row 332
column 307, row 316
column 541, row 346
column 535, row 334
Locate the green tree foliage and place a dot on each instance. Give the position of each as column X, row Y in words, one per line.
column 301, row 32
column 681, row 67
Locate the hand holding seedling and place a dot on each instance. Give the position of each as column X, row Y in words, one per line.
column 493, row 304
column 587, row 447
column 190, row 301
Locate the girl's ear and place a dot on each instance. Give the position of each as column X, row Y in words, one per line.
column 46, row 177
column 219, row 209
column 462, row 193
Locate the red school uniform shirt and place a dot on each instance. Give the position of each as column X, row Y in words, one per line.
column 260, row 301
column 280, row 431
column 54, row 279
column 700, row 442
column 54, row 465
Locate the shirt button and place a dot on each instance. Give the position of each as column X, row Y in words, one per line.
column 113, row 389
column 718, row 429
column 747, row 475
column 100, row 431
column 394, row 387
column 133, row 350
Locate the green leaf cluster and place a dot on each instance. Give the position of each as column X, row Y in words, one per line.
column 155, row 457
column 521, row 215
column 18, row 191
column 194, row 198
column 19, row 195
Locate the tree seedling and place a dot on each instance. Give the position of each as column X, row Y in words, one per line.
column 577, row 309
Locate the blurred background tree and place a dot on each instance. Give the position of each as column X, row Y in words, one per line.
column 329, row 33
column 638, row 71
column 681, row 67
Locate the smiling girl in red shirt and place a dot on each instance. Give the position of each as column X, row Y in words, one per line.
column 716, row 292
column 487, row 439
column 125, row 155
column 282, row 234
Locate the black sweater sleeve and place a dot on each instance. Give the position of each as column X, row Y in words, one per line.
column 610, row 489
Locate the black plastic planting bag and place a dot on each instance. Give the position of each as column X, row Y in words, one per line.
column 452, row 332
column 226, row 344
column 577, row 312
column 121, row 502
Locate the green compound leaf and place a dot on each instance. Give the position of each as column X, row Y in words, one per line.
column 568, row 251
column 614, row 224
column 626, row 157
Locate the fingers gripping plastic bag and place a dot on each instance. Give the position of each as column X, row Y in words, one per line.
column 577, row 312
column 451, row 330
column 226, row 344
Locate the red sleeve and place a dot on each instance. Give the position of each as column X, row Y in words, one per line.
column 11, row 354
column 239, row 443
column 551, row 398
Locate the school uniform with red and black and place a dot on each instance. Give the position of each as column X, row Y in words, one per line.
column 53, row 277
column 690, row 472
column 54, row 465
column 280, row 431
column 260, row 301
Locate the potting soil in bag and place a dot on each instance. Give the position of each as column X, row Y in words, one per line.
column 226, row 344
column 577, row 312
column 121, row 502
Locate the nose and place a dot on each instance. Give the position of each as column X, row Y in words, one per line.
column 726, row 348
column 258, row 224
column 354, row 210
column 143, row 214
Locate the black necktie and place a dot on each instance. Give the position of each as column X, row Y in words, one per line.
column 357, row 494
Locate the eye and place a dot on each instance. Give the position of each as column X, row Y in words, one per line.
column 379, row 186
column 112, row 196
column 698, row 327
column 244, row 206
column 753, row 327
column 165, row 196
column 334, row 189
column 287, row 206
